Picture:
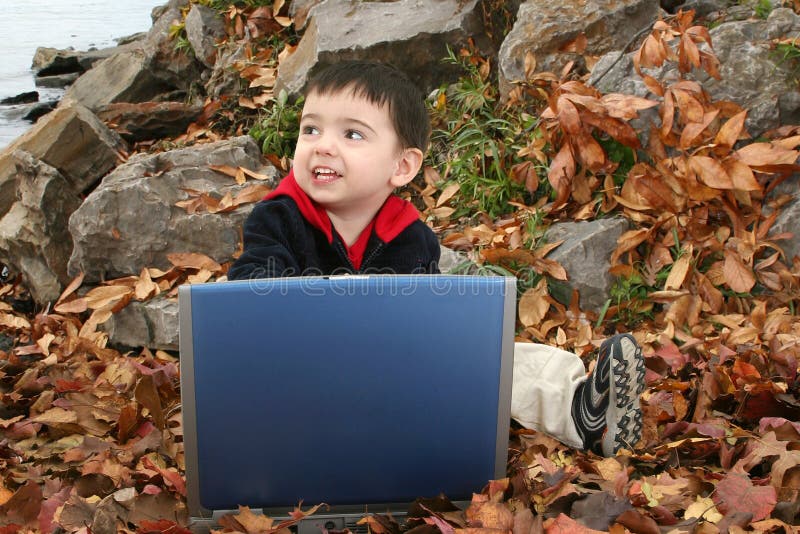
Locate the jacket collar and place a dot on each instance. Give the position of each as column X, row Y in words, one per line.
column 394, row 216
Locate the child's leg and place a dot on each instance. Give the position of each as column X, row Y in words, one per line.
column 552, row 394
column 545, row 380
column 606, row 408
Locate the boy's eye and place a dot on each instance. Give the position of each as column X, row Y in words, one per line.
column 310, row 130
column 353, row 134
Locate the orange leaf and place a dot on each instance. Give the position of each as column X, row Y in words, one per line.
column 762, row 154
column 738, row 276
column 225, row 169
column 694, row 129
column 103, row 296
column 741, row 175
column 447, row 194
column 679, row 270
column 710, row 172
column 533, row 305
column 731, row 130
column 590, row 152
column 568, row 115
column 73, row 285
column 193, row 260
column 689, row 106
column 690, row 55
column 562, row 170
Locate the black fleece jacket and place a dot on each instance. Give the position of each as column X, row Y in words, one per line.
column 285, row 236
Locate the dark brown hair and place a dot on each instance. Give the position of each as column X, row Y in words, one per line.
column 380, row 84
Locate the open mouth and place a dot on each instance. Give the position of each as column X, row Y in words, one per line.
column 324, row 174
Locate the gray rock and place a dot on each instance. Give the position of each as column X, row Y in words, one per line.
column 34, row 240
column 753, row 76
column 411, row 34
column 585, row 255
column 789, row 221
column 542, row 28
column 299, row 11
column 53, row 61
column 56, row 81
column 453, row 261
column 149, row 120
column 27, row 97
column 49, row 61
column 142, row 72
column 130, row 220
column 72, row 140
column 124, row 77
column 204, row 28
column 225, row 79
column 152, row 324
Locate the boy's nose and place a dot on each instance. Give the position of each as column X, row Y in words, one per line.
column 325, row 145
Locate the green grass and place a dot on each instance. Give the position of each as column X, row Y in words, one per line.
column 278, row 126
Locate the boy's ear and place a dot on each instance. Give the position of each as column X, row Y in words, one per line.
column 407, row 166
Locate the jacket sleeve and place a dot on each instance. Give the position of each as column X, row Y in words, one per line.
column 435, row 251
column 267, row 250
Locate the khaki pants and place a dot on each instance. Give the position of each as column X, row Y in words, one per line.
column 545, row 379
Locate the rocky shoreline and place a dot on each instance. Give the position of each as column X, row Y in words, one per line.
column 73, row 201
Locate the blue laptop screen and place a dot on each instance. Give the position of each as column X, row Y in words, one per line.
column 348, row 390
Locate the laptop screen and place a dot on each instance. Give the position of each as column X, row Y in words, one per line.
column 344, row 390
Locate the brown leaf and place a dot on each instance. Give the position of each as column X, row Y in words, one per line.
column 730, row 132
column 738, row 276
column 590, row 152
column 679, row 270
column 447, row 193
column 688, row 106
column 762, row 154
column 568, row 115
column 70, row 289
column 25, row 504
column 533, row 305
column 104, row 296
column 146, row 394
column 562, row 170
column 710, row 172
column 193, row 260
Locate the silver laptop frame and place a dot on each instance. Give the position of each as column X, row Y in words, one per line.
column 202, row 519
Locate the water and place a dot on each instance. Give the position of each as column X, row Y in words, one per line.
column 80, row 24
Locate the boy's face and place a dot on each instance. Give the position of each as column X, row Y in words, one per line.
column 348, row 156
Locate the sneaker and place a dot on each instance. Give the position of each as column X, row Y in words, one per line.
column 606, row 408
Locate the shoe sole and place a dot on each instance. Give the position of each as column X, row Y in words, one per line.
column 627, row 373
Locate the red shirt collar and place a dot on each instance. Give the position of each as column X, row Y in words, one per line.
column 394, row 216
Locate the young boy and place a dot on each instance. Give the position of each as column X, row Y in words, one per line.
column 364, row 131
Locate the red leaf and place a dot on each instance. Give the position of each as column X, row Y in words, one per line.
column 736, row 493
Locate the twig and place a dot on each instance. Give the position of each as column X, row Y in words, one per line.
column 622, row 53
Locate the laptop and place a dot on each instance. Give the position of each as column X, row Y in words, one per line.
column 363, row 392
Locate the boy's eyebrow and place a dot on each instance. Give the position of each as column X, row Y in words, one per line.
column 314, row 116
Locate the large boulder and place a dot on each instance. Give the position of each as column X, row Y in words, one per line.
column 543, row 28
column 586, row 256
column 34, row 240
column 71, row 139
column 131, row 220
column 410, row 34
column 152, row 69
column 752, row 74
